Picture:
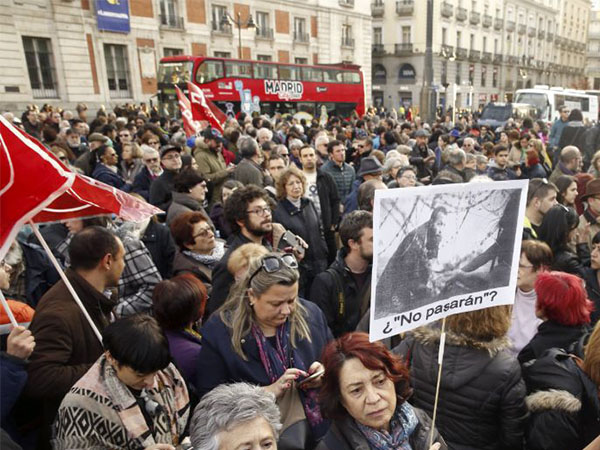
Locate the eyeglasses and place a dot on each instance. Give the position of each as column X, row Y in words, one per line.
column 151, row 160
column 284, row 155
column 261, row 212
column 124, row 135
column 153, row 142
column 409, row 177
column 544, row 182
column 272, row 264
column 205, row 232
column 172, row 156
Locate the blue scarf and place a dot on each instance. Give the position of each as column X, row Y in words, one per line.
column 403, row 423
column 277, row 359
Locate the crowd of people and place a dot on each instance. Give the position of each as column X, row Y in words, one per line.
column 238, row 318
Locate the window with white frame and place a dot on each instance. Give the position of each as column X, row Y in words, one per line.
column 300, row 60
column 40, row 66
column 117, row 70
column 347, row 36
column 218, row 12
column 406, row 35
column 377, row 36
column 263, row 22
column 169, row 14
column 300, row 34
column 172, row 51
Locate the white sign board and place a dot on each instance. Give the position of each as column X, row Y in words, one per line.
column 442, row 250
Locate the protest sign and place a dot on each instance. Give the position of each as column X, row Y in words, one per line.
column 442, row 250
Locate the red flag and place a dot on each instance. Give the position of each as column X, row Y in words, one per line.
column 191, row 127
column 36, row 186
column 201, row 109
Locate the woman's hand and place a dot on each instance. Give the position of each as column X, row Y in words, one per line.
column 436, row 446
column 317, row 382
column 285, row 382
column 581, row 235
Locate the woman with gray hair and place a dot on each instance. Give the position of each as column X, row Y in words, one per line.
column 237, row 415
column 265, row 335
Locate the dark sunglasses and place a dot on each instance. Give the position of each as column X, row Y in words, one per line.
column 272, row 264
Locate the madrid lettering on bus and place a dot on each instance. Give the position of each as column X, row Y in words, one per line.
column 285, row 90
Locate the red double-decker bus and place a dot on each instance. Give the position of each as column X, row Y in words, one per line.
column 267, row 87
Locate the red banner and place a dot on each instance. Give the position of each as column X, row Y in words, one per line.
column 190, row 126
column 201, row 109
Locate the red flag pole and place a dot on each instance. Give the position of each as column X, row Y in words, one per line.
column 56, row 265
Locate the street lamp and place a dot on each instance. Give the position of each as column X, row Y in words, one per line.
column 227, row 20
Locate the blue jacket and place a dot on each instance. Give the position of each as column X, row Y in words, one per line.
column 105, row 175
column 142, row 182
column 555, row 132
column 13, row 377
column 351, row 203
column 218, row 363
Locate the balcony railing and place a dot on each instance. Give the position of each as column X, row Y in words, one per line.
column 377, row 9
column 510, row 25
column 171, row 22
column 405, row 48
column 461, row 53
column 541, row 34
column 474, row 55
column 498, row 58
column 461, row 14
column 531, row 32
column 347, row 42
column 405, row 7
column 264, row 33
column 218, row 28
column 447, row 10
column 447, row 50
column 512, row 60
column 522, row 28
column 475, row 18
column 498, row 23
column 302, row 38
column 347, row 3
column 486, row 57
column 487, row 21
column 378, row 50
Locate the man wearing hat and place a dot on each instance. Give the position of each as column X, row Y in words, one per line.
column 370, row 169
column 422, row 157
column 161, row 189
column 87, row 161
column 209, row 156
column 591, row 215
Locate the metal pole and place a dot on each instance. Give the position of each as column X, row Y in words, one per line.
column 239, row 25
column 427, row 93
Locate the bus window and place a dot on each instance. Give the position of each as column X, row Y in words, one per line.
column 265, row 71
column 351, row 77
column 332, row 76
column 345, row 109
column 312, row 74
column 290, row 73
column 174, row 72
column 209, row 71
column 238, row 69
column 305, row 107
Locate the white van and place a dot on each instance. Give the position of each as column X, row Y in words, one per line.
column 548, row 100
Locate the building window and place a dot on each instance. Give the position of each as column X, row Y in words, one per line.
column 173, row 51
column 300, row 29
column 117, row 70
column 218, row 12
column 458, row 70
column 264, row 58
column 444, row 73
column 495, row 77
column 263, row 23
column 169, row 14
column 484, row 44
column 483, row 75
column 471, row 74
column 300, row 60
column 40, row 65
column 472, row 42
column 458, row 39
column 377, row 36
column 444, row 36
column 222, row 54
column 347, row 39
column 406, row 37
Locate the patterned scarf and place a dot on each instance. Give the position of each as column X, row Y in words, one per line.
column 403, row 423
column 208, row 260
column 277, row 359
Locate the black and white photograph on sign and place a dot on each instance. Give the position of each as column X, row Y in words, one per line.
column 441, row 244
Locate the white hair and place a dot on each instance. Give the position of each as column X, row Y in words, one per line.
column 264, row 132
column 228, row 406
column 321, row 140
column 147, row 150
column 295, row 143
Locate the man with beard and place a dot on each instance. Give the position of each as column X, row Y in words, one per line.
column 406, row 282
column 211, row 163
column 322, row 190
column 343, row 291
column 422, row 157
column 249, row 213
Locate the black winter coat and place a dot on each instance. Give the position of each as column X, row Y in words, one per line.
column 304, row 222
column 161, row 190
column 564, row 405
column 345, row 435
column 551, row 334
column 593, row 291
column 162, row 248
column 567, row 261
column 482, row 396
column 324, row 292
column 329, row 199
column 142, row 182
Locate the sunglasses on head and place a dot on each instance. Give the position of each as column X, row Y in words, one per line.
column 272, row 264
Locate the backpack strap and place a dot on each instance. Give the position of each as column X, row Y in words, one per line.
column 338, row 294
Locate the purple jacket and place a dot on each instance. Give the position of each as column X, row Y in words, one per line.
column 184, row 348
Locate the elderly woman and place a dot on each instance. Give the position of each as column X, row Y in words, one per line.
column 131, row 161
column 265, row 335
column 482, row 405
column 392, row 166
column 236, row 416
column 299, row 215
column 405, row 177
column 364, row 392
column 198, row 250
column 563, row 398
column 563, row 306
column 178, row 305
column 189, row 194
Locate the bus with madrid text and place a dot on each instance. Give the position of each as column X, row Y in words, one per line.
column 234, row 85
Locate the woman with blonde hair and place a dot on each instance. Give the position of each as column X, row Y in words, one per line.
column 483, row 402
column 266, row 335
column 563, row 397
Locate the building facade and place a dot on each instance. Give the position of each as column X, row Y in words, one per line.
column 55, row 52
column 483, row 49
column 593, row 50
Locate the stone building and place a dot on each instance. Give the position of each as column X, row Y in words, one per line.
column 54, row 51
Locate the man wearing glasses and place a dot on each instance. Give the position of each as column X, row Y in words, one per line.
column 558, row 126
column 161, row 189
column 151, row 171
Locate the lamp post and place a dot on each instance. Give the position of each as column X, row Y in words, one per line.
column 227, row 20
column 427, row 92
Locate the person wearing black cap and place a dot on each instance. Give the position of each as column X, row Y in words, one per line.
column 211, row 163
column 370, row 169
column 161, row 189
column 422, row 157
